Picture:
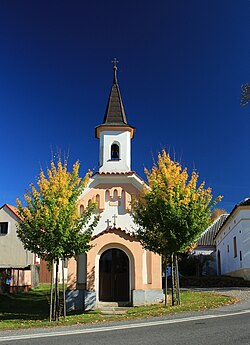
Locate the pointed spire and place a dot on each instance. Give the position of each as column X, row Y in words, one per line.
column 115, row 114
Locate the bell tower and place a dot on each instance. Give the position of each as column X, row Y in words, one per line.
column 115, row 133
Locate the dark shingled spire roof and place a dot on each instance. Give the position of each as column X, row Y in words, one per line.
column 115, row 114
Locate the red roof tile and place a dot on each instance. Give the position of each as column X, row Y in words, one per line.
column 13, row 210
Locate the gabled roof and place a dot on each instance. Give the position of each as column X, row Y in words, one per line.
column 245, row 202
column 13, row 209
column 115, row 114
column 207, row 237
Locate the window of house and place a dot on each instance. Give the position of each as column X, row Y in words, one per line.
column 81, row 209
column 228, row 248
column 240, row 255
column 3, row 228
column 115, row 152
column 235, row 246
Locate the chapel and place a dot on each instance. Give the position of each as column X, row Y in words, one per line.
column 116, row 270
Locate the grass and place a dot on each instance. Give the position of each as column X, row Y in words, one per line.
column 27, row 310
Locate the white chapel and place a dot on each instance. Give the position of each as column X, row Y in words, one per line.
column 117, row 269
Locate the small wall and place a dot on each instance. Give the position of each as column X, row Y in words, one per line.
column 35, row 270
column 145, row 297
column 80, row 300
column 243, row 273
column 20, row 280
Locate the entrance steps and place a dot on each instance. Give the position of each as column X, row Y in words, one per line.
column 113, row 308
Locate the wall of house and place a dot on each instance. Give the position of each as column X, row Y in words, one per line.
column 12, row 252
column 235, row 254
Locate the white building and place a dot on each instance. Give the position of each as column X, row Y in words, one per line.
column 205, row 250
column 117, row 269
column 233, row 243
column 15, row 261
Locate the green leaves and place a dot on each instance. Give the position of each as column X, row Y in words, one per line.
column 51, row 225
column 174, row 211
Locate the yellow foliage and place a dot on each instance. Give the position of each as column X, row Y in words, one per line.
column 174, row 183
column 56, row 189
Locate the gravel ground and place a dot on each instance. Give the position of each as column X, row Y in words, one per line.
column 242, row 293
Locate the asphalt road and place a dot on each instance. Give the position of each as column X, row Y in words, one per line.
column 229, row 325
column 216, row 328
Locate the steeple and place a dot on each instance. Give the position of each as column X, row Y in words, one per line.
column 115, row 113
column 115, row 133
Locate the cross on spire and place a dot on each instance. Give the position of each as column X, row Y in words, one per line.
column 115, row 62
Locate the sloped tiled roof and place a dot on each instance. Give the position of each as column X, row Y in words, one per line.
column 13, row 209
column 245, row 202
column 207, row 237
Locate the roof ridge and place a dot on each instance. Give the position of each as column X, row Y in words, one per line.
column 13, row 209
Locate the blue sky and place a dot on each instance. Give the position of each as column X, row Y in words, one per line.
column 181, row 67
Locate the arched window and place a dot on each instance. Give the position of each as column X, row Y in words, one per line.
column 97, row 200
column 81, row 209
column 115, row 152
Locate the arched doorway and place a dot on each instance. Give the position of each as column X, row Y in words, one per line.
column 114, row 276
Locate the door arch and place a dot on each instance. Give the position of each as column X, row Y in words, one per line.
column 114, row 276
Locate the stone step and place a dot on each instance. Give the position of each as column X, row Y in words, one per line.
column 113, row 304
column 113, row 310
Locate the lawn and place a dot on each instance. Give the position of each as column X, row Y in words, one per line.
column 26, row 310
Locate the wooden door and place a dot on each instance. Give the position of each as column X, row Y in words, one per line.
column 114, row 276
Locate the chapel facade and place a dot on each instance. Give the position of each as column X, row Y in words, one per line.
column 117, row 269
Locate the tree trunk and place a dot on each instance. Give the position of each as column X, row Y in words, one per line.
column 178, row 295
column 64, row 293
column 56, row 301
column 166, row 282
column 51, row 291
column 173, row 279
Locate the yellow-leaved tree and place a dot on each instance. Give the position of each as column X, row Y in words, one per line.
column 172, row 213
column 51, row 225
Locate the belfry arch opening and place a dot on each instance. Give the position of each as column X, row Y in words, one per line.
column 115, row 152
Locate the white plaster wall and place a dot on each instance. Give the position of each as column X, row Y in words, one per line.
column 123, row 220
column 123, row 140
column 246, row 242
column 12, row 252
column 240, row 228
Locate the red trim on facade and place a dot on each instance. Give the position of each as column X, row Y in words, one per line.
column 110, row 230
